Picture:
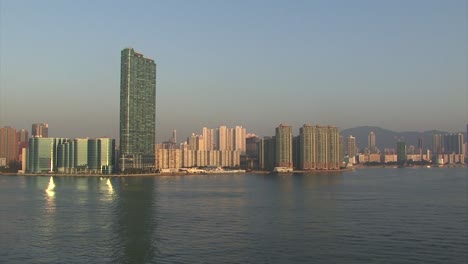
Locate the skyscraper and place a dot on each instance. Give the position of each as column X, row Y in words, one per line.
column 137, row 110
column 308, row 141
column 352, row 149
column 437, row 144
column 40, row 130
column 23, row 141
column 239, row 139
column 284, row 139
column 371, row 142
column 221, row 138
column 8, row 146
column 401, row 152
column 41, row 156
column 208, row 135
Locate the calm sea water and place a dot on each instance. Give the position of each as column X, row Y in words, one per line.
column 365, row 216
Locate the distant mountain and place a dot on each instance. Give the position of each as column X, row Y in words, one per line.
column 385, row 138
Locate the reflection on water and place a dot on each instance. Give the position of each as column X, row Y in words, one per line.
column 134, row 222
column 51, row 187
column 50, row 198
column 409, row 217
column 109, row 186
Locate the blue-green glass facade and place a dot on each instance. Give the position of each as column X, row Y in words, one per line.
column 137, row 110
column 41, row 153
column 71, row 156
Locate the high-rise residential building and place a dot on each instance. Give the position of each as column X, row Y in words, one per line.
column 334, row 151
column 229, row 138
column 251, row 146
column 320, row 148
column 40, row 130
column 200, row 143
column 137, row 110
column 221, row 133
column 371, row 142
column 453, row 143
column 284, row 151
column 351, row 149
column 192, row 142
column 308, row 148
column 208, row 136
column 8, row 146
column 323, row 147
column 23, row 142
column 437, row 144
column 239, row 139
column 266, row 153
column 23, row 135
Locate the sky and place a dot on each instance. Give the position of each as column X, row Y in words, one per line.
column 401, row 65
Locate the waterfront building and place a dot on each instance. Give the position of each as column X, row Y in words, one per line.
column 453, row 143
column 371, row 142
column 101, row 155
column 266, row 153
column 323, row 147
column 389, row 158
column 137, row 110
column 401, row 152
column 334, row 158
column 296, row 151
column 168, row 158
column 251, row 146
column 40, row 130
column 284, row 152
column 23, row 141
column 8, row 145
column 308, row 147
column 81, row 155
column 437, row 144
column 239, row 139
column 41, row 155
column 351, row 149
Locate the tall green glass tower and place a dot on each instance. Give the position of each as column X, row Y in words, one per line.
column 137, row 111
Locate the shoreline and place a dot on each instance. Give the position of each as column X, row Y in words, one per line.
column 257, row 172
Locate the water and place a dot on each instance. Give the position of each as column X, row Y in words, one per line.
column 367, row 216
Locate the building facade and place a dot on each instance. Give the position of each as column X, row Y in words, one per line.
column 8, row 146
column 63, row 155
column 351, row 149
column 40, row 130
column 137, row 111
column 284, row 146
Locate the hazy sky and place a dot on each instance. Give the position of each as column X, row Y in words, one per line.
column 401, row 65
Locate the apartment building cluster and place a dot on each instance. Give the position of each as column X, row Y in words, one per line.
column 315, row 148
column 446, row 149
column 220, row 147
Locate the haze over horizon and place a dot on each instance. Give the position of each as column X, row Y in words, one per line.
column 399, row 65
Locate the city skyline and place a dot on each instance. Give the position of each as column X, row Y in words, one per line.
column 236, row 70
